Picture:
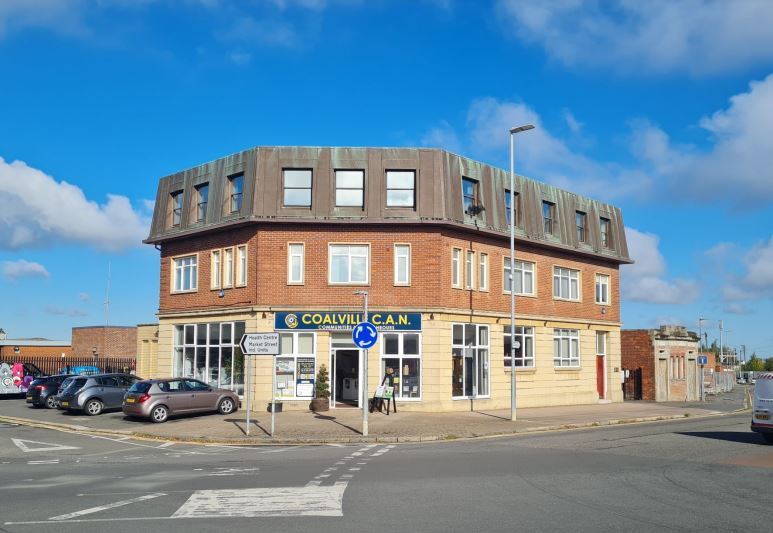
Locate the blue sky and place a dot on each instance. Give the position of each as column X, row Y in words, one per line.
column 661, row 108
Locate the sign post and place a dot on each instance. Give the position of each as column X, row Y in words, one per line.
column 260, row 344
column 364, row 336
column 702, row 360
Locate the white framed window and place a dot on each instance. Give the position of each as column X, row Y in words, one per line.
column 402, row 353
column 483, row 272
column 566, row 283
column 601, row 343
column 470, row 361
column 295, row 260
column 402, row 264
column 349, row 263
column 228, row 268
column 216, row 270
column 185, row 276
column 296, row 370
column 456, row 268
column 469, row 270
column 297, row 187
column 241, row 265
column 236, row 183
column 602, row 289
column 210, row 352
column 350, row 188
column 523, row 277
column 524, row 351
column 566, row 348
column 401, row 188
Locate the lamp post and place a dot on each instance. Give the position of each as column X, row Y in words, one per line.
column 364, row 386
column 513, row 132
column 700, row 351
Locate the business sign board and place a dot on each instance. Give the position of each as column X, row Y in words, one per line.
column 345, row 321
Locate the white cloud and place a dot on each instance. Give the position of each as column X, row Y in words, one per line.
column 84, row 296
column 574, row 125
column 60, row 16
column 699, row 36
column 759, row 266
column 738, row 165
column 735, row 308
column 442, row 136
column 645, row 280
column 14, row 270
column 35, row 210
column 64, row 311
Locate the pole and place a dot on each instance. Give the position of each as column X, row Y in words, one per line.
column 365, row 379
column 273, row 392
column 721, row 350
column 249, row 386
column 512, row 278
column 700, row 352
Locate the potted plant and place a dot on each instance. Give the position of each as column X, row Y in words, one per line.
column 321, row 401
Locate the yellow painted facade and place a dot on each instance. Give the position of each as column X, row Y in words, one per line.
column 542, row 385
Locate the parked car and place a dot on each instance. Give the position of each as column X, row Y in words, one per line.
column 741, row 381
column 752, row 381
column 762, row 407
column 94, row 394
column 43, row 391
column 158, row 399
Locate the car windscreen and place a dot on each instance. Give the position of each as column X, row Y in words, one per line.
column 141, row 387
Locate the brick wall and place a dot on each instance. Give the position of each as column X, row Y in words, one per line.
column 8, row 353
column 637, row 351
column 430, row 286
column 110, row 341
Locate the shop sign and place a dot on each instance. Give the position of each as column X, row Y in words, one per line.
column 345, row 321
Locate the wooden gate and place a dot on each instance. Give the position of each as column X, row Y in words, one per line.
column 632, row 385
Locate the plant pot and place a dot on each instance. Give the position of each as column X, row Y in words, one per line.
column 319, row 404
column 277, row 407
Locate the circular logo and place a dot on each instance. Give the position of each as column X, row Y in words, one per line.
column 291, row 321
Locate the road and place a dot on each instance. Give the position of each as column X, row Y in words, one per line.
column 700, row 474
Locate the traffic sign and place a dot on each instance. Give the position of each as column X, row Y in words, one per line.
column 260, row 344
column 364, row 335
column 703, row 360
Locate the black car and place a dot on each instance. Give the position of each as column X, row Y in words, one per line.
column 43, row 391
column 94, row 394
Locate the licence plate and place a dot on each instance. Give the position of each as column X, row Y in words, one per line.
column 761, row 416
column 65, row 404
column 29, row 398
column 130, row 400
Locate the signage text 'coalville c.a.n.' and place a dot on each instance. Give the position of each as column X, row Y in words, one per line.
column 345, row 321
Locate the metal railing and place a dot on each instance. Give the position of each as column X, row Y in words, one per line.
column 57, row 365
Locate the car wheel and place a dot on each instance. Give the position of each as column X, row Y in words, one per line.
column 51, row 402
column 93, row 407
column 159, row 414
column 226, row 406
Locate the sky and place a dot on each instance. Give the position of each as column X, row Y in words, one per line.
column 661, row 108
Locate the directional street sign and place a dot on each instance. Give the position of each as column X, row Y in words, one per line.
column 364, row 335
column 703, row 360
column 260, row 343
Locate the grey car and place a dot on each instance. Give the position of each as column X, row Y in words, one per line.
column 157, row 399
column 94, row 394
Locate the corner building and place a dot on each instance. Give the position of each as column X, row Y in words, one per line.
column 280, row 239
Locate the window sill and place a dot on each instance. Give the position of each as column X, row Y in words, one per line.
column 184, row 292
column 296, row 283
column 522, row 370
column 567, row 368
column 574, row 300
column 348, row 284
column 519, row 294
column 455, row 398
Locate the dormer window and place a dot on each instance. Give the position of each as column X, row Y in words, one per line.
column 471, row 197
column 177, row 207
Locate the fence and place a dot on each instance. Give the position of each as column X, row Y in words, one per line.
column 718, row 382
column 57, row 365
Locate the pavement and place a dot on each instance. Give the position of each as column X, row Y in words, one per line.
column 344, row 425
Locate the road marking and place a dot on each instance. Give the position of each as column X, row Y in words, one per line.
column 165, row 445
column 47, row 446
column 274, row 501
column 121, row 503
column 49, row 462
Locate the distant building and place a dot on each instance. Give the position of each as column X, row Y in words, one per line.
column 17, row 350
column 104, row 341
column 660, row 364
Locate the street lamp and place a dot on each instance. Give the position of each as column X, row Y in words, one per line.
column 364, row 385
column 513, row 132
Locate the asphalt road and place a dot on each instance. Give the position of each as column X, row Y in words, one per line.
column 700, row 474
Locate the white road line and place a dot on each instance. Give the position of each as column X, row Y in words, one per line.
column 49, row 462
column 92, row 510
column 46, row 446
column 165, row 445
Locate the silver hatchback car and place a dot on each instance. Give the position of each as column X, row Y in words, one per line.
column 158, row 399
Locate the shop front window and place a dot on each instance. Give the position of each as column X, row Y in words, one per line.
column 470, row 361
column 210, row 352
column 295, row 366
column 402, row 353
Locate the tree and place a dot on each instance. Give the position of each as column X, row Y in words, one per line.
column 754, row 364
column 323, row 389
column 769, row 364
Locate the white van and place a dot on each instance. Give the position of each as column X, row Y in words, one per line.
column 762, row 407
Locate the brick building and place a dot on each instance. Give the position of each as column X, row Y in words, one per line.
column 104, row 341
column 20, row 350
column 665, row 360
column 279, row 239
